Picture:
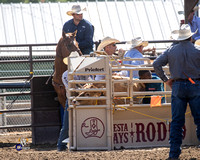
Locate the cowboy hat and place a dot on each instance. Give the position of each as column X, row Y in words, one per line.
column 76, row 9
column 197, row 42
column 73, row 54
column 137, row 42
column 106, row 41
column 183, row 33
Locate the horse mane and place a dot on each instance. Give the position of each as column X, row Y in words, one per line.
column 64, row 47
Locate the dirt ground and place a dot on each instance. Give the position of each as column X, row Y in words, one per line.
column 9, row 141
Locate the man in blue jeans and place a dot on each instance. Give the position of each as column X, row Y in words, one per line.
column 64, row 132
column 184, row 63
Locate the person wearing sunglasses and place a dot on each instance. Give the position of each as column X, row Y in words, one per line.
column 108, row 45
column 85, row 30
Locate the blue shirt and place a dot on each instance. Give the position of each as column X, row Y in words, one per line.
column 133, row 53
column 84, row 34
column 182, row 58
column 194, row 26
column 153, row 87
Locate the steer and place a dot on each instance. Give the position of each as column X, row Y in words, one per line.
column 118, row 87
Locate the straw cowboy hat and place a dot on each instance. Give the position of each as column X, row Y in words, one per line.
column 197, row 42
column 106, row 41
column 73, row 54
column 183, row 33
column 76, row 9
column 137, row 42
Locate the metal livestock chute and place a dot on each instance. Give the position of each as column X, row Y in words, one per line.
column 108, row 126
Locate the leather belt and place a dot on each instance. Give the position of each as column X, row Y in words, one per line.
column 180, row 79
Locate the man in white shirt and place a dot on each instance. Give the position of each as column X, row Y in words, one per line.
column 64, row 132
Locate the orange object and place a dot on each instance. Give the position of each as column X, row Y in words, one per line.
column 190, row 79
column 155, row 101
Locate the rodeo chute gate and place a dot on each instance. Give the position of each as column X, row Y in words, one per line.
column 101, row 125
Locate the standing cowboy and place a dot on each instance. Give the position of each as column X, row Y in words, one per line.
column 85, row 30
column 184, row 62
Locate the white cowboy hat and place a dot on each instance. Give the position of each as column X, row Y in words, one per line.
column 106, row 41
column 183, row 33
column 137, row 42
column 76, row 9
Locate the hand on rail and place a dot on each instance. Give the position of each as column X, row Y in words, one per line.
column 151, row 51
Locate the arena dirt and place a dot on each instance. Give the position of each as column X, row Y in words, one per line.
column 9, row 141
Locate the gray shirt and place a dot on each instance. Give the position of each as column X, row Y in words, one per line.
column 182, row 58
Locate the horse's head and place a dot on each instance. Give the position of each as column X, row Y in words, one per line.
column 70, row 43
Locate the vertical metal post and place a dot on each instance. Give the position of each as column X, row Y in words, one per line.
column 131, row 88
column 31, row 61
column 3, row 120
column 108, row 104
column 188, row 6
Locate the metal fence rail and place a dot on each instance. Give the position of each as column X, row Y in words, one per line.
column 23, row 62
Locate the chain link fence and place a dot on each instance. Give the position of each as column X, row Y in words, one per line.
column 21, row 61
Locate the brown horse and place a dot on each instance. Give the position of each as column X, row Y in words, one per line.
column 65, row 46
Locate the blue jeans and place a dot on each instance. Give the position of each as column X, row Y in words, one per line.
column 61, row 113
column 64, row 132
column 183, row 92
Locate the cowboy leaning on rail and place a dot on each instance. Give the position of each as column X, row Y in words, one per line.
column 108, row 46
